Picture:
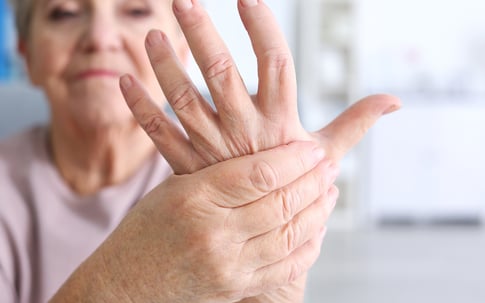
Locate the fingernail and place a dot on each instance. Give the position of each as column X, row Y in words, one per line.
column 391, row 109
column 318, row 154
column 126, row 82
column 249, row 3
column 183, row 5
column 154, row 38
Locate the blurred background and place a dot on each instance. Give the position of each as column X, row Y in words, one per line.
column 408, row 224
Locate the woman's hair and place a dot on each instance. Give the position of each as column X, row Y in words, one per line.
column 23, row 14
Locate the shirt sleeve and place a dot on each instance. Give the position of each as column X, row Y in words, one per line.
column 7, row 291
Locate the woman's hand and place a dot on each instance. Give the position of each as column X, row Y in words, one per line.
column 243, row 124
column 229, row 231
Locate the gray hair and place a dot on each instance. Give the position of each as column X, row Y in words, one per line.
column 23, row 10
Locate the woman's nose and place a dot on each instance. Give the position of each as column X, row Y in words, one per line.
column 101, row 34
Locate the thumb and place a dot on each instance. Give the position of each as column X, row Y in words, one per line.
column 349, row 128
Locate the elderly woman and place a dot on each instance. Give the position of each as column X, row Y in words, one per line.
column 235, row 210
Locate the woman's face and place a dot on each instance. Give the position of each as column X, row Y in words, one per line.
column 78, row 49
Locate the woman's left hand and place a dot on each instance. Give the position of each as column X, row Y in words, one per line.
column 243, row 124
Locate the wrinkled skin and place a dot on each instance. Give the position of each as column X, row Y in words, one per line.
column 242, row 124
column 236, row 229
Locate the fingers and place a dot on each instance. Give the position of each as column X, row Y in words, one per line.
column 217, row 66
column 277, row 93
column 166, row 136
column 289, row 269
column 279, row 207
column 191, row 108
column 281, row 242
column 349, row 128
column 246, row 179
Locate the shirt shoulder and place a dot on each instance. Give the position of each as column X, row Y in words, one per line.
column 19, row 150
column 17, row 154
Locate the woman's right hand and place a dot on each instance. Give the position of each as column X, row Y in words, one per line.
column 232, row 230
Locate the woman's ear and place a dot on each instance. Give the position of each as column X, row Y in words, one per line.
column 22, row 49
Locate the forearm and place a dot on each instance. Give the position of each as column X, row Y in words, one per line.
column 93, row 282
column 90, row 282
column 172, row 247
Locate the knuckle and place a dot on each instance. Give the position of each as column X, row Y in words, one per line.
column 231, row 295
column 292, row 234
column 183, row 96
column 295, row 271
column 289, row 203
column 153, row 124
column 231, row 287
column 207, row 242
column 264, row 177
column 222, row 276
column 136, row 99
column 219, row 65
column 278, row 58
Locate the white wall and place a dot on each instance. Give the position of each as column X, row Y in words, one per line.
column 20, row 106
column 226, row 18
column 421, row 44
column 426, row 161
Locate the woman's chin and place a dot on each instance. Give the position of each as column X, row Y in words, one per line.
column 99, row 113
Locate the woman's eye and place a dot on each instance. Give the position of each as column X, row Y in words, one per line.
column 59, row 14
column 139, row 12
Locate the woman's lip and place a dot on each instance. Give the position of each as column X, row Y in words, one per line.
column 98, row 73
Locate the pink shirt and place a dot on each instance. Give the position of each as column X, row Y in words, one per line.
column 46, row 230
